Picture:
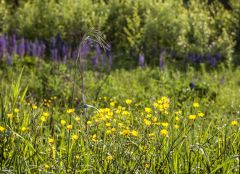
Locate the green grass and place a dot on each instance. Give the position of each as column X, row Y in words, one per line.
column 127, row 127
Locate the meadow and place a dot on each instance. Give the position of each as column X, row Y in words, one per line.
column 141, row 121
column 121, row 86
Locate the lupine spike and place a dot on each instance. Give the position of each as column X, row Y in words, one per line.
column 141, row 60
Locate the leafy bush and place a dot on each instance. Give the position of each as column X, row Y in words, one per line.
column 208, row 32
column 45, row 19
column 166, row 25
column 4, row 17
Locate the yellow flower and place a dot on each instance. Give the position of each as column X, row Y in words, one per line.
column 164, row 132
column 2, row 129
column 196, row 105
column 112, row 104
column 63, row 122
column 176, row 126
column 16, row 110
column 165, row 124
column 120, row 125
column 192, row 117
column 200, row 114
column 234, row 123
column 125, row 113
column 151, row 135
column 147, row 122
column 155, row 119
column 147, row 165
column 45, row 114
column 113, row 129
column 179, row 112
column 74, row 137
column 149, row 115
column 134, row 133
column 69, row 127
column 148, row 110
column 89, row 122
column 108, row 132
column 50, row 140
column 94, row 138
column 177, row 118
column 10, row 116
column 125, row 132
column 109, row 158
column 69, row 111
column 128, row 101
column 108, row 124
column 165, row 105
column 34, row 107
column 43, row 118
column 46, row 166
column 77, row 118
column 23, row 129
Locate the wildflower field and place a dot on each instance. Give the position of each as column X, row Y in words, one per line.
column 143, row 121
column 120, row 86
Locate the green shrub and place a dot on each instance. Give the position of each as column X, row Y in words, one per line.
column 208, row 32
column 4, row 17
column 166, row 25
column 70, row 18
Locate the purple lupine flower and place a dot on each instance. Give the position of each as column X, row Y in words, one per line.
column 64, row 51
column 141, row 60
column 212, row 61
column 110, row 61
column 11, row 45
column 103, row 58
column 218, row 57
column 34, row 49
column 52, row 43
column 191, row 57
column 109, row 55
column 3, row 46
column 14, row 43
column 21, row 48
column 98, row 50
column 54, row 54
column 161, row 61
column 94, row 62
column 29, row 48
column 42, row 49
column 85, row 49
column 59, row 42
column 192, row 85
column 10, row 59
column 74, row 54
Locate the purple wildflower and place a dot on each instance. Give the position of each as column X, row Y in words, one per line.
column 3, row 46
column 94, row 62
column 110, row 61
column 161, row 61
column 21, row 48
column 141, row 60
column 192, row 85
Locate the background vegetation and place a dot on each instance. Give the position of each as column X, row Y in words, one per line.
column 178, row 28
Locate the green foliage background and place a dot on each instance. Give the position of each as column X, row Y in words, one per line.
column 141, row 25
